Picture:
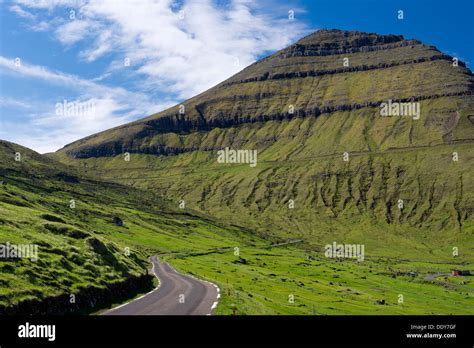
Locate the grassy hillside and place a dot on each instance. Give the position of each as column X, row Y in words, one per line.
column 82, row 249
column 335, row 109
column 356, row 199
column 330, row 168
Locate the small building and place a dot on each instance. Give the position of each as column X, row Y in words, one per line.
column 457, row 273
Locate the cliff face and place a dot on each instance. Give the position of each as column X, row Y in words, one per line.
column 302, row 108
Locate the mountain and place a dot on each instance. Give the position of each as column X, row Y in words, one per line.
column 302, row 109
column 310, row 76
column 96, row 254
column 334, row 163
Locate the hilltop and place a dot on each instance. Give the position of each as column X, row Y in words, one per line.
column 311, row 77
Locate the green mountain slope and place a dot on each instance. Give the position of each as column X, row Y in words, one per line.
column 329, row 169
column 302, row 108
column 311, row 77
column 82, row 251
column 95, row 249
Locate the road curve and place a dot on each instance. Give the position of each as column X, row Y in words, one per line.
column 177, row 294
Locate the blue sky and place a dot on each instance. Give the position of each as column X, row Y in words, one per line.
column 125, row 59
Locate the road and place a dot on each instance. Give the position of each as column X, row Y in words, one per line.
column 432, row 277
column 177, row 294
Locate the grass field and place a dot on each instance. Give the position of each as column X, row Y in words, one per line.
column 82, row 247
column 264, row 280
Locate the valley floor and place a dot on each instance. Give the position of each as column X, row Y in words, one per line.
column 288, row 280
column 91, row 248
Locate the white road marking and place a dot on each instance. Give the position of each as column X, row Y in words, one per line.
column 214, row 305
column 159, row 284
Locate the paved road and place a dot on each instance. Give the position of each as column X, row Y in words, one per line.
column 177, row 294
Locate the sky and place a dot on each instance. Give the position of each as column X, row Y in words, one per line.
column 72, row 68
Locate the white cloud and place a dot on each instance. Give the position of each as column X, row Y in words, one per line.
column 50, row 4
column 170, row 55
column 96, row 115
column 36, row 71
column 85, row 87
column 74, row 31
column 36, row 138
column 41, row 26
column 183, row 50
column 101, row 46
column 47, row 131
column 21, row 12
column 12, row 102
